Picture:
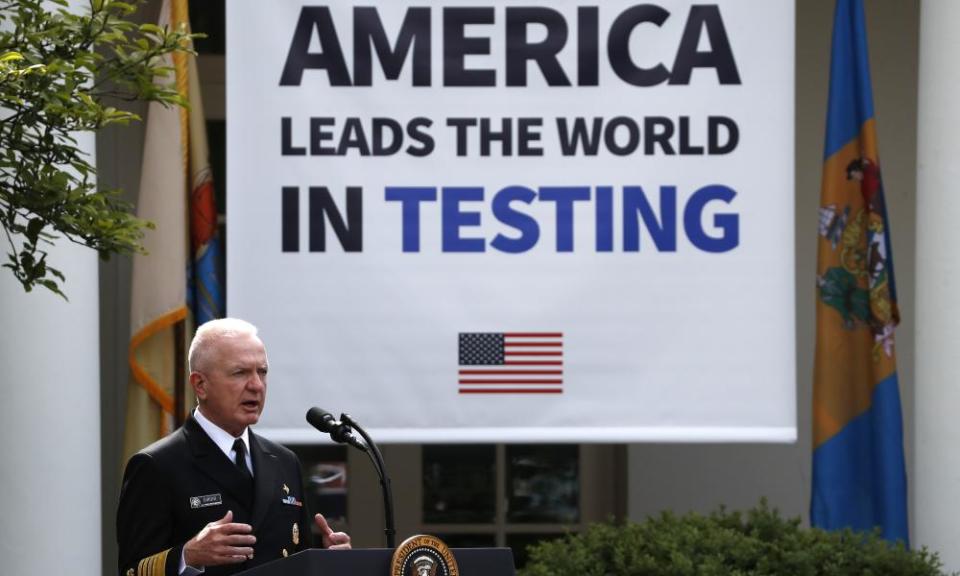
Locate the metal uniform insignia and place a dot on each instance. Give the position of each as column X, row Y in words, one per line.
column 423, row 555
column 296, row 534
column 288, row 499
column 291, row 501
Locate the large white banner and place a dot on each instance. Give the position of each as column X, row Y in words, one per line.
column 517, row 220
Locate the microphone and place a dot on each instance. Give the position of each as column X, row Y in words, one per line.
column 342, row 431
column 338, row 431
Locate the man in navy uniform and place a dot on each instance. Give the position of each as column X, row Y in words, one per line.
column 214, row 497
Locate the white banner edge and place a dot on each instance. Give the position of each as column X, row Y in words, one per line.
column 691, row 435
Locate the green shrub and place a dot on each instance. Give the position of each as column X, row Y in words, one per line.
column 758, row 542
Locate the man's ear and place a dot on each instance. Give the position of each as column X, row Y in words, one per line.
column 199, row 385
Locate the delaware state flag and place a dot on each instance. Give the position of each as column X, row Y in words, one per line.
column 859, row 479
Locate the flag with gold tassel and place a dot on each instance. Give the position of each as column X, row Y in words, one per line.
column 179, row 271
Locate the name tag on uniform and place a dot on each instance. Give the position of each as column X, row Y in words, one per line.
column 205, row 501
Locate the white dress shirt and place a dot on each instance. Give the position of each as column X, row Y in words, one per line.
column 223, row 439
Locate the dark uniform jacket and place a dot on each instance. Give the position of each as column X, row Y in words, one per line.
column 177, row 485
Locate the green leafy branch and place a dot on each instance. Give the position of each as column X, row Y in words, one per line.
column 56, row 69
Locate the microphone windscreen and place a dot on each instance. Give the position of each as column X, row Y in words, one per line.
column 321, row 419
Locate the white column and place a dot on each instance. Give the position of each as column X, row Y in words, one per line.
column 50, row 418
column 936, row 481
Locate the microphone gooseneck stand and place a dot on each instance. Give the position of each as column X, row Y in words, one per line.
column 374, row 453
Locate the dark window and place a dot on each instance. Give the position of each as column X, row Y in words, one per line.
column 459, row 484
column 543, row 484
column 208, row 17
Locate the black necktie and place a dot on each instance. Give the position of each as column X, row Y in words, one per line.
column 241, row 461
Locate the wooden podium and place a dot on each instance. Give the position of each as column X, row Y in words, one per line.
column 376, row 562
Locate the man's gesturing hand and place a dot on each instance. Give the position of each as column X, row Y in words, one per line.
column 220, row 542
column 332, row 540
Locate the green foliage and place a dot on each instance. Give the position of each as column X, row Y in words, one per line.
column 758, row 542
column 56, row 69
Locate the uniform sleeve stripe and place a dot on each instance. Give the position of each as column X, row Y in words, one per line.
column 153, row 565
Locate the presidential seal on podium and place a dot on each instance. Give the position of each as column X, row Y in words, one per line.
column 423, row 555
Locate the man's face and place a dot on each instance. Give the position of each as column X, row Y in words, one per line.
column 232, row 383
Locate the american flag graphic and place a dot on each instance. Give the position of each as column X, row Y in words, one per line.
column 511, row 363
